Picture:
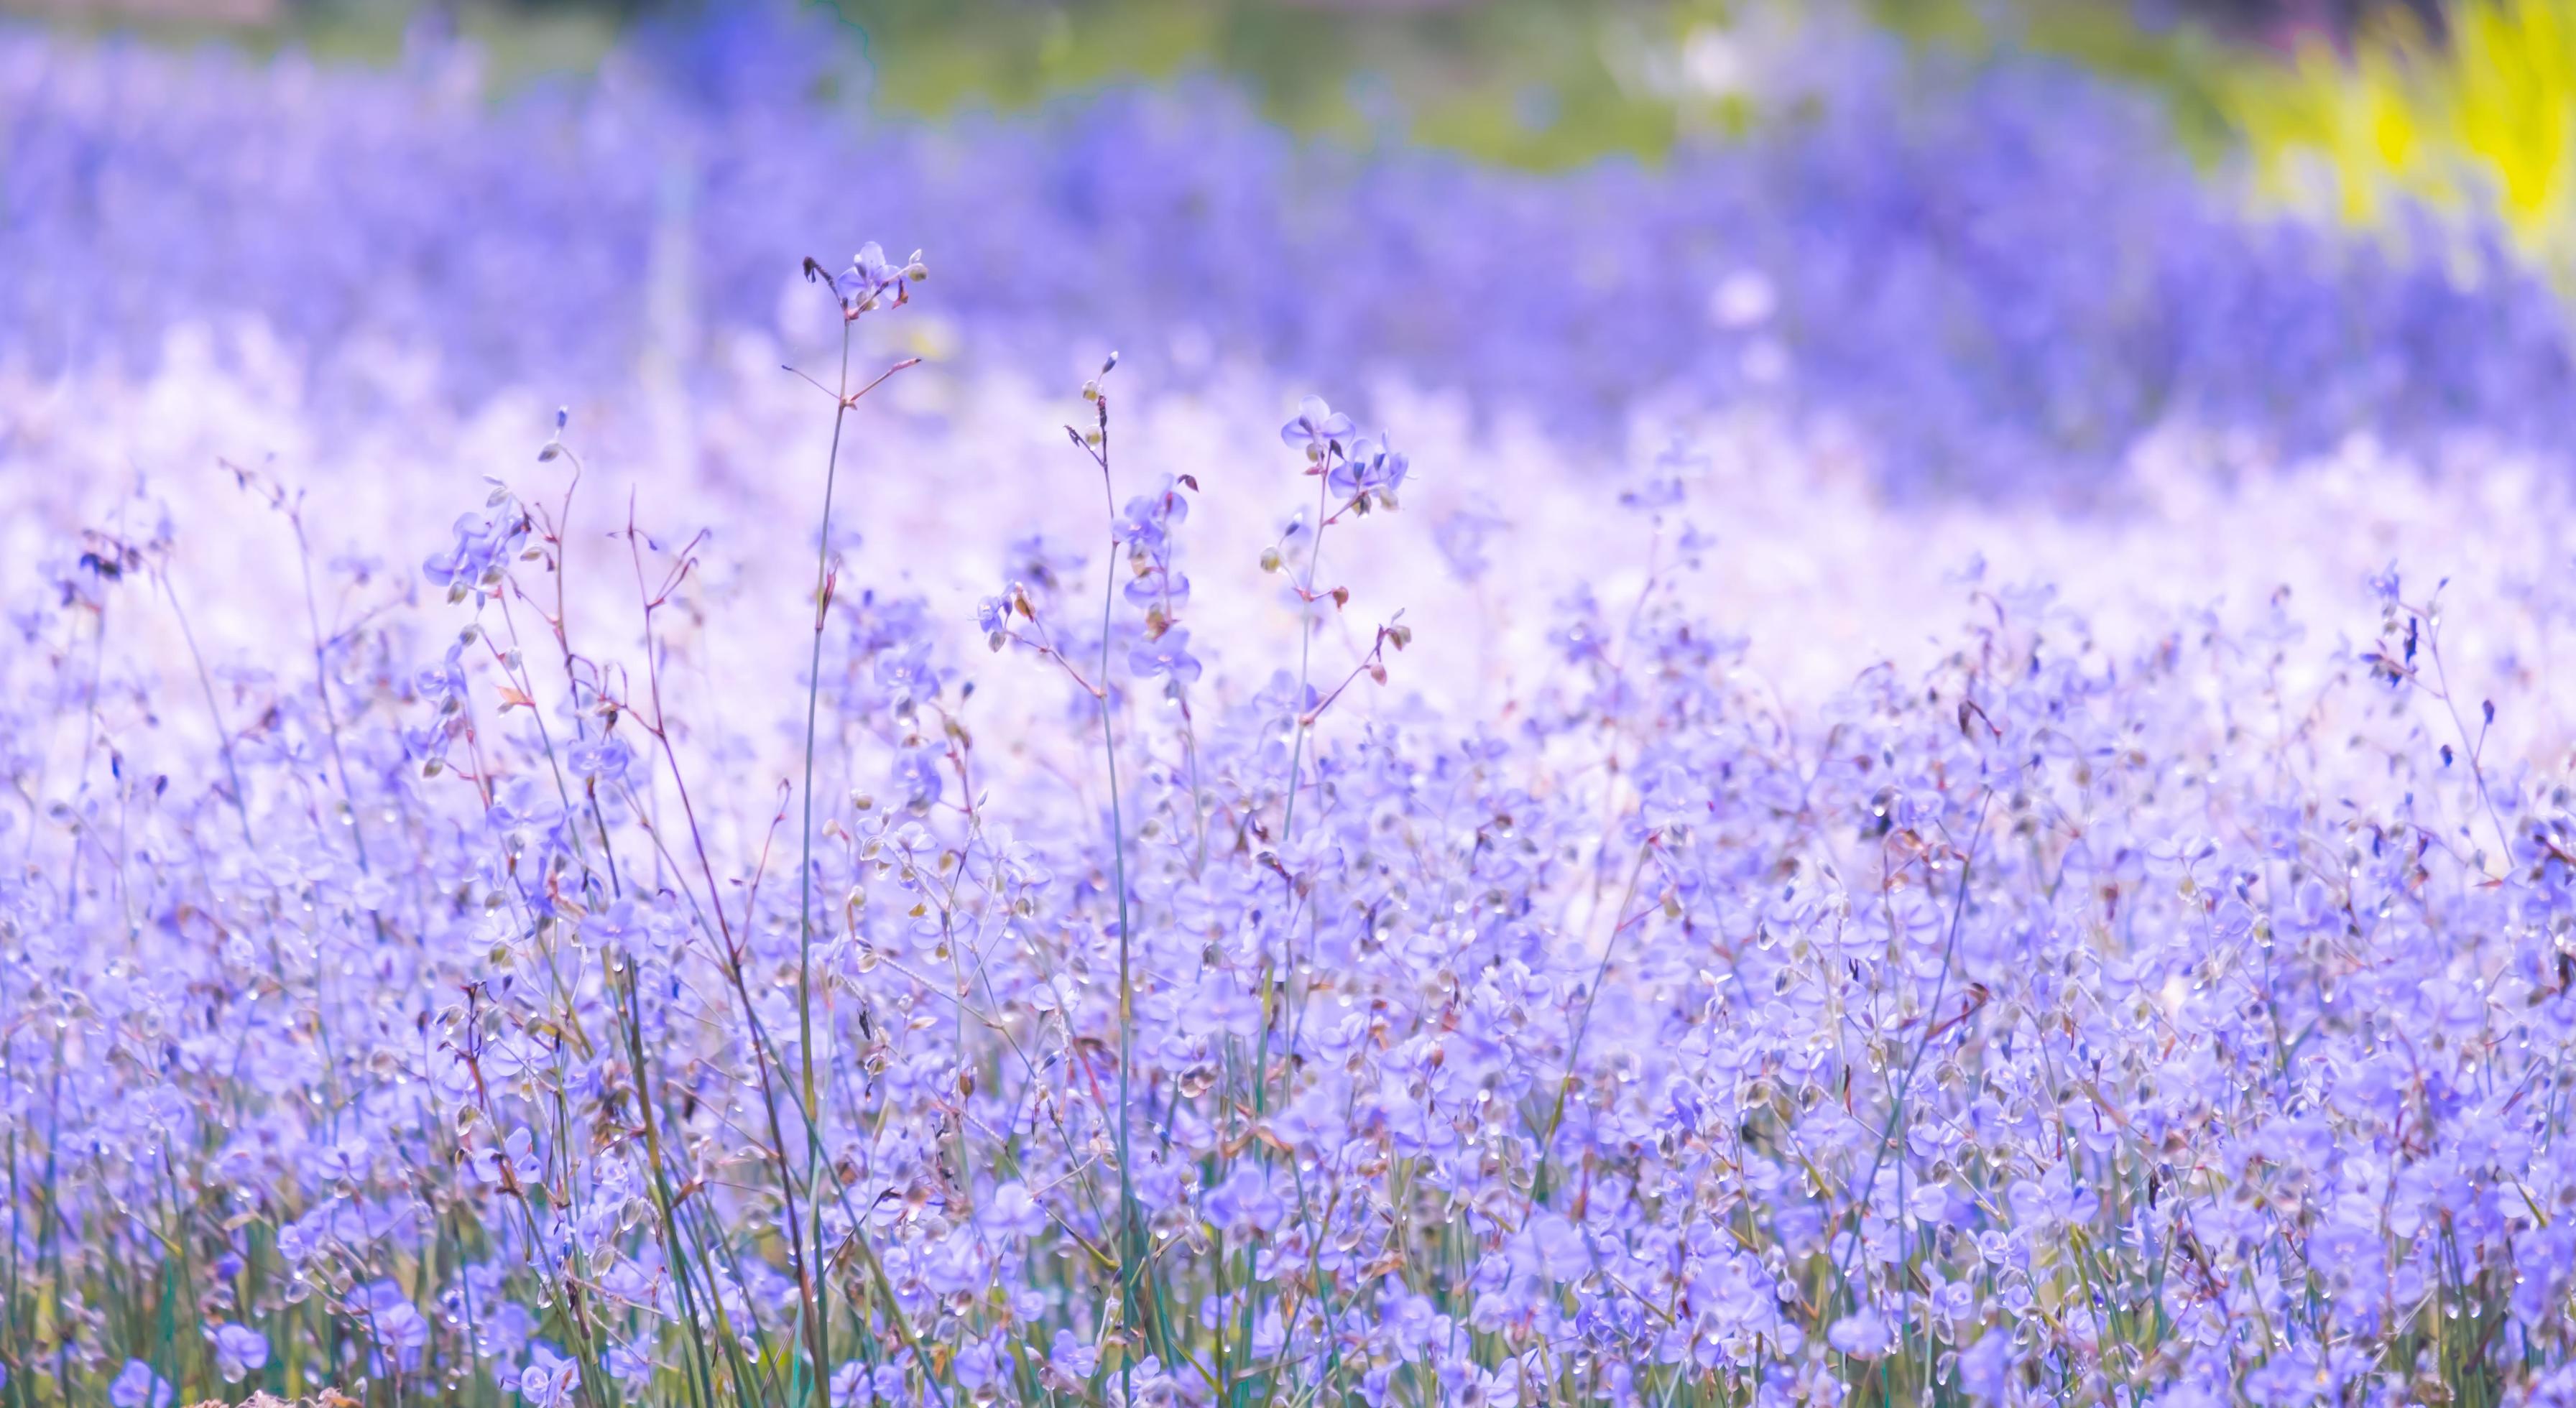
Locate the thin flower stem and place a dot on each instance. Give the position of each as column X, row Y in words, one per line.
column 1305, row 658
column 1131, row 1256
column 818, row 1287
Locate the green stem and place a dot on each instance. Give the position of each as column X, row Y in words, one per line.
column 1131, row 1239
column 818, row 1286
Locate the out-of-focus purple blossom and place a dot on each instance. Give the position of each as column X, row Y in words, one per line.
column 1158, row 586
column 1863, row 1335
column 1071, row 1357
column 1552, row 1249
column 603, row 757
column 1985, row 1367
column 385, row 1311
column 1145, row 525
column 1461, row 537
column 1014, row 1213
column 982, row 1364
column 136, row 1386
column 631, row 1364
column 1167, row 655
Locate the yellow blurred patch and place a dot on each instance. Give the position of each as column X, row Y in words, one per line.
column 2478, row 124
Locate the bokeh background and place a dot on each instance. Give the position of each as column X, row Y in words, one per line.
column 1895, row 280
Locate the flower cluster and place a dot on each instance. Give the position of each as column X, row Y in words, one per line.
column 2173, row 1017
column 507, row 980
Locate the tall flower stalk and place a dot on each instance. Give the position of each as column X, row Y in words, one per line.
column 870, row 283
column 2150, row 1021
column 1131, row 1229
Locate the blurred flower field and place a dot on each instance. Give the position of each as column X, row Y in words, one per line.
column 1908, row 749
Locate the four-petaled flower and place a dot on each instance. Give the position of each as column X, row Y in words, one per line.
column 602, row 756
column 1167, row 654
column 873, row 281
column 1372, row 467
column 1317, row 429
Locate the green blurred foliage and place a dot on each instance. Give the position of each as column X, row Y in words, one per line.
column 2481, row 117
column 521, row 40
column 2186, row 63
column 1531, row 83
column 1539, row 83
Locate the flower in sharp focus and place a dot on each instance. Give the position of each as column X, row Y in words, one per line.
column 995, row 615
column 873, row 281
column 1373, row 468
column 1317, row 429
